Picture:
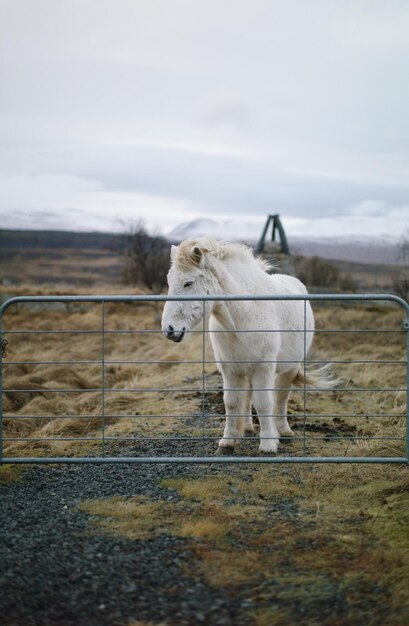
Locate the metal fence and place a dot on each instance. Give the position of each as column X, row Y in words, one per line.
column 74, row 394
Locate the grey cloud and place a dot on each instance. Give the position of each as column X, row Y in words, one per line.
column 233, row 113
column 213, row 183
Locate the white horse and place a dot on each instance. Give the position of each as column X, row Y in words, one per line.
column 258, row 368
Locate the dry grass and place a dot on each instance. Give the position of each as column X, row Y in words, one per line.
column 132, row 517
column 69, row 266
column 345, row 428
column 78, row 413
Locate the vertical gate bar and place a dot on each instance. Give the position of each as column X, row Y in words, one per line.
column 305, row 375
column 203, row 375
column 103, row 377
column 1, row 386
column 406, row 325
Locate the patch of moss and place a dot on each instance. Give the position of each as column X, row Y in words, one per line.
column 133, row 518
column 228, row 567
column 138, row 623
column 204, row 490
column 313, row 545
column 10, row 473
column 273, row 615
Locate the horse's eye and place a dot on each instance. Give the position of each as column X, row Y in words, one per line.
column 189, row 283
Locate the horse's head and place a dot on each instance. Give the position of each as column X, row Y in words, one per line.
column 189, row 274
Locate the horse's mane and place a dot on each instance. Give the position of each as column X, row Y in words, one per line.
column 220, row 250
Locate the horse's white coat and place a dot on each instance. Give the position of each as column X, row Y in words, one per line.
column 206, row 266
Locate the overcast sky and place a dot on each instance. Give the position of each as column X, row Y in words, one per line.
column 168, row 110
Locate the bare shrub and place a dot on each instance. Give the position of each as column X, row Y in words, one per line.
column 400, row 284
column 146, row 257
column 317, row 272
column 400, row 281
column 347, row 283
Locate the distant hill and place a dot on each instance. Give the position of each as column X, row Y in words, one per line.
column 358, row 249
column 78, row 258
column 59, row 257
column 21, row 239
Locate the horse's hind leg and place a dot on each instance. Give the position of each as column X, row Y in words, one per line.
column 263, row 402
column 280, row 401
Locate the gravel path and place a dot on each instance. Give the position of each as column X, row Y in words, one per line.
column 57, row 569
column 55, row 572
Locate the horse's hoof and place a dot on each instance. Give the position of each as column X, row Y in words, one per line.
column 269, row 452
column 286, row 438
column 249, row 433
column 224, row 451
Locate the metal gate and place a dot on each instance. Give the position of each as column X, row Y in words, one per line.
column 132, row 407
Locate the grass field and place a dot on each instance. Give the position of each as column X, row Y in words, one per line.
column 305, row 542
column 153, row 388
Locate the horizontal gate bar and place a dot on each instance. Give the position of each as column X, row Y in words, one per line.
column 198, row 416
column 200, row 332
column 206, row 459
column 245, row 438
column 208, row 389
column 211, row 362
column 350, row 297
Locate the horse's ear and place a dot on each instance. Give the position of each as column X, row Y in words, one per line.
column 198, row 256
column 173, row 251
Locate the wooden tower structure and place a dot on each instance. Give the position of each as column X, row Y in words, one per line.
column 277, row 230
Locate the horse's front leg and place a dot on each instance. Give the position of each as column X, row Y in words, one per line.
column 263, row 403
column 248, row 414
column 234, row 402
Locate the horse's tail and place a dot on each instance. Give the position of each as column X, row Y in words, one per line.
column 318, row 378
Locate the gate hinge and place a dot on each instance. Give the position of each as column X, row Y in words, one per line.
column 3, row 345
column 406, row 324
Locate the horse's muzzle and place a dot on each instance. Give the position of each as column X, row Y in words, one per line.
column 175, row 335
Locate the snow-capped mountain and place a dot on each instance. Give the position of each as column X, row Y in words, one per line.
column 357, row 248
column 230, row 230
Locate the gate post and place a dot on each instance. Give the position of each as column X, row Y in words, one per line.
column 3, row 344
column 406, row 327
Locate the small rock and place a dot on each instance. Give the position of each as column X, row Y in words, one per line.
column 200, row 617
